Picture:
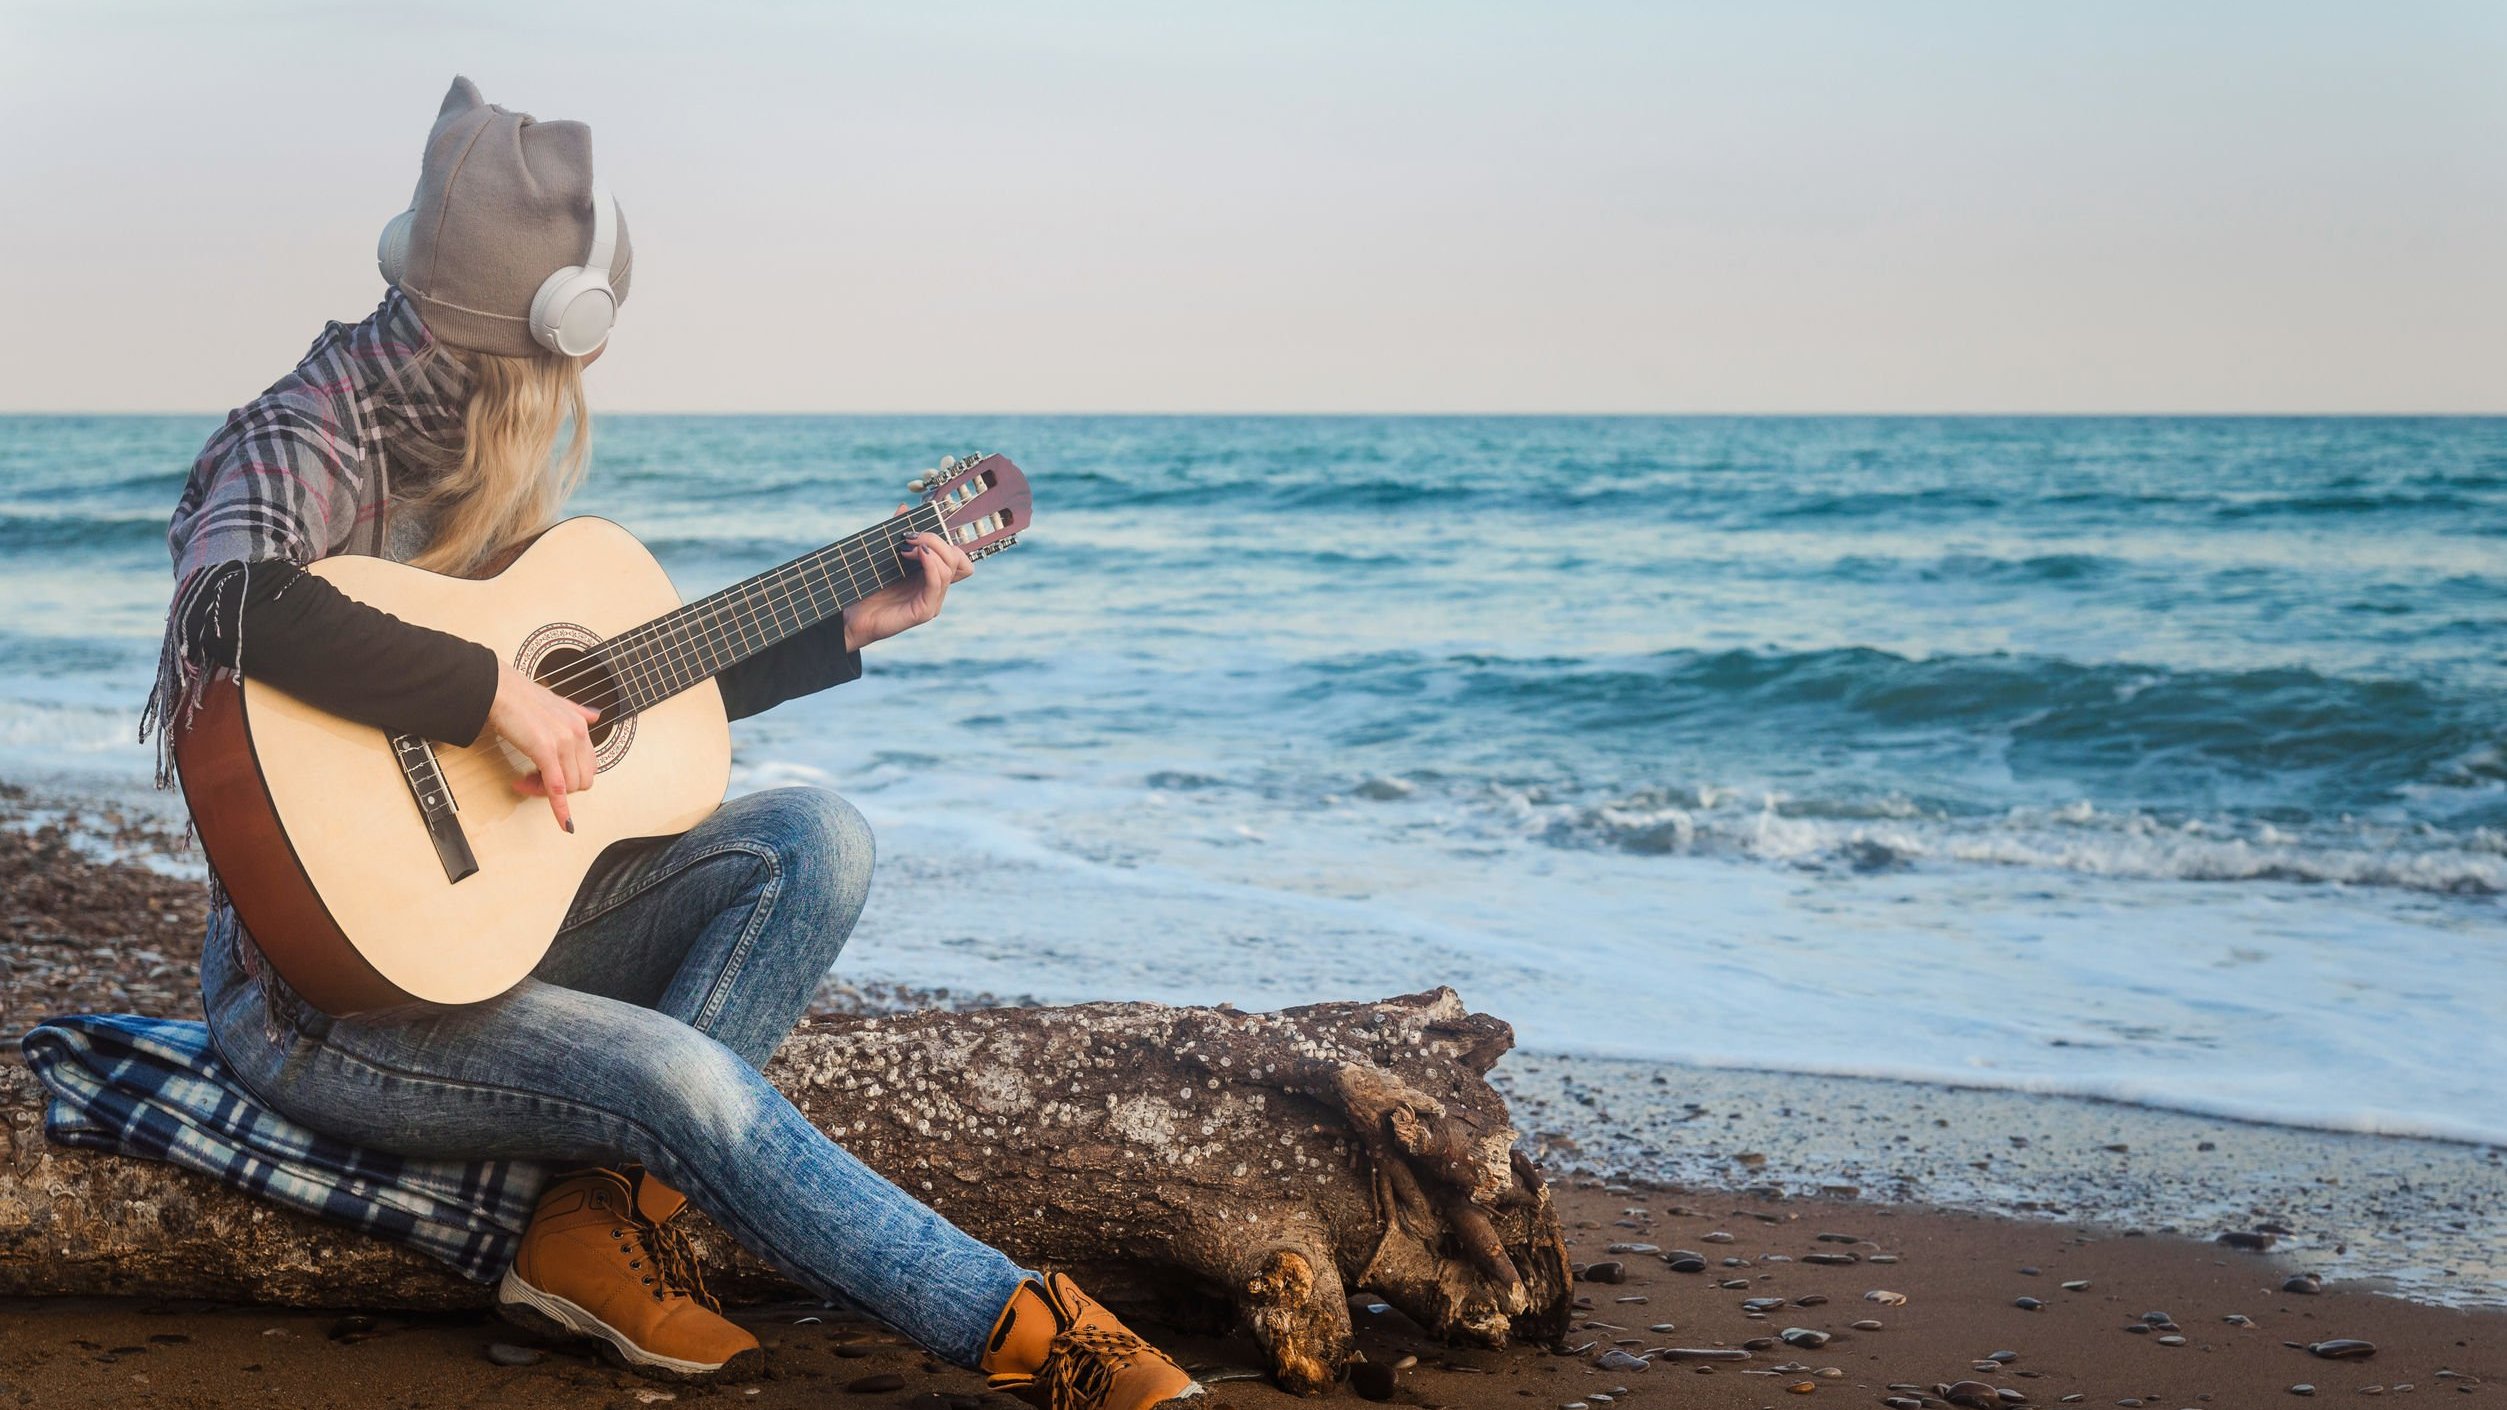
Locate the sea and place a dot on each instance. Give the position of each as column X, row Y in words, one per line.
column 2161, row 760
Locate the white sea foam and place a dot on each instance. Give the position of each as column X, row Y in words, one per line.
column 2075, row 837
column 2305, row 1005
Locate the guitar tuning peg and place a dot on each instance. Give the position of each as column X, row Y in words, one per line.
column 917, row 486
column 948, row 463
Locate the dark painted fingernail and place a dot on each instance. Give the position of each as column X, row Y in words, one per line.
column 568, row 824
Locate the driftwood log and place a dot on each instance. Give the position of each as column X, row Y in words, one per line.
column 1213, row 1166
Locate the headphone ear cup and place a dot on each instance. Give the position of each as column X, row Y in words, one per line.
column 573, row 311
column 391, row 252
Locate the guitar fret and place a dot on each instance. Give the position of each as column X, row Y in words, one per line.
column 659, row 659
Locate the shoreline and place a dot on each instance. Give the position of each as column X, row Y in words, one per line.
column 2415, row 1217
column 1813, row 1191
column 106, row 914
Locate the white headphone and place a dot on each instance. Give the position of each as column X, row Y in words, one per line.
column 575, row 307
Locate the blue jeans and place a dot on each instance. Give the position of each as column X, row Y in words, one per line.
column 682, row 965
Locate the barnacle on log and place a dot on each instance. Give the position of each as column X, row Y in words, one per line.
column 1261, row 1166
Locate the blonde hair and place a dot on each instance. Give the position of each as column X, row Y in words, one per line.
column 512, row 475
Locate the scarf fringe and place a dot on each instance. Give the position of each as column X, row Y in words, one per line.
column 213, row 597
column 181, row 673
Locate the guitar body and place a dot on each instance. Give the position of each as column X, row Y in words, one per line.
column 310, row 821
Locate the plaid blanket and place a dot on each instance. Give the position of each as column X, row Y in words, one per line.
column 153, row 1087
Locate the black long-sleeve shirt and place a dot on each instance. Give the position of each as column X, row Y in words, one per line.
column 306, row 637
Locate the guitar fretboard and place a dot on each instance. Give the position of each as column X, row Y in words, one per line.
column 655, row 661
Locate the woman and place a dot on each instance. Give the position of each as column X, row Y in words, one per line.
column 429, row 433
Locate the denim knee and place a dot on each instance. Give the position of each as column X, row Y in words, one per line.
column 808, row 823
column 685, row 1088
column 818, row 839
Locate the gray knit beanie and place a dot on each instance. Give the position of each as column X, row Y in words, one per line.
column 503, row 202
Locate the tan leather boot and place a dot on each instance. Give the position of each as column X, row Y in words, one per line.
column 1056, row 1348
column 603, row 1260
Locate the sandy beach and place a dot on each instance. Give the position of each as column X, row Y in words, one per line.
column 1746, row 1238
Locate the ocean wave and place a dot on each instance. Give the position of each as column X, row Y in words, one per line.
column 2162, row 735
column 81, row 533
column 2042, row 568
column 1865, row 760
column 1870, row 504
column 2079, row 838
column 2308, row 506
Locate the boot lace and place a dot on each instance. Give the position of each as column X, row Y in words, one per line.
column 1082, row 1362
column 675, row 1268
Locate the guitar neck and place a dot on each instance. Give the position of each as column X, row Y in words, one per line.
column 667, row 655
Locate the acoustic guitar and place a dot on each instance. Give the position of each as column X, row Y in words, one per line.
column 374, row 870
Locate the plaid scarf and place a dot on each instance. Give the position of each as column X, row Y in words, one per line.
column 307, row 469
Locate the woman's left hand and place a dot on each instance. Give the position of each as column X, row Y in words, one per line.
column 931, row 564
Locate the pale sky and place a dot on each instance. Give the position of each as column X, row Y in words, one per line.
column 1338, row 206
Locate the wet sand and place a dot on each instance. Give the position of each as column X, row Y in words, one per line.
column 2423, row 1219
column 1961, row 1276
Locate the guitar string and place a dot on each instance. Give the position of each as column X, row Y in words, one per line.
column 721, row 625
column 753, row 598
column 726, row 631
column 729, row 618
column 710, row 625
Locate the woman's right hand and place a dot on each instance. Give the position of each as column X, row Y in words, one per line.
column 554, row 733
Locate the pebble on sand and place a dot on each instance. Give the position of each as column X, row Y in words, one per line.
column 507, row 1354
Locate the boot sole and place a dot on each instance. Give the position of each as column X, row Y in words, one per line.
column 526, row 1306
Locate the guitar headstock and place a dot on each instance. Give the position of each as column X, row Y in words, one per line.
column 983, row 501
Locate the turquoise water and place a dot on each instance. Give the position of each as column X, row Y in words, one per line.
column 2163, row 759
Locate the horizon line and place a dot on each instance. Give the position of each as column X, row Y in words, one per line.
column 1692, row 415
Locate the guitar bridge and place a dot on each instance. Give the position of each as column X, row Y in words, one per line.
column 425, row 777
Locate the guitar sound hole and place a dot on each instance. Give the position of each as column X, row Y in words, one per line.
column 584, row 679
